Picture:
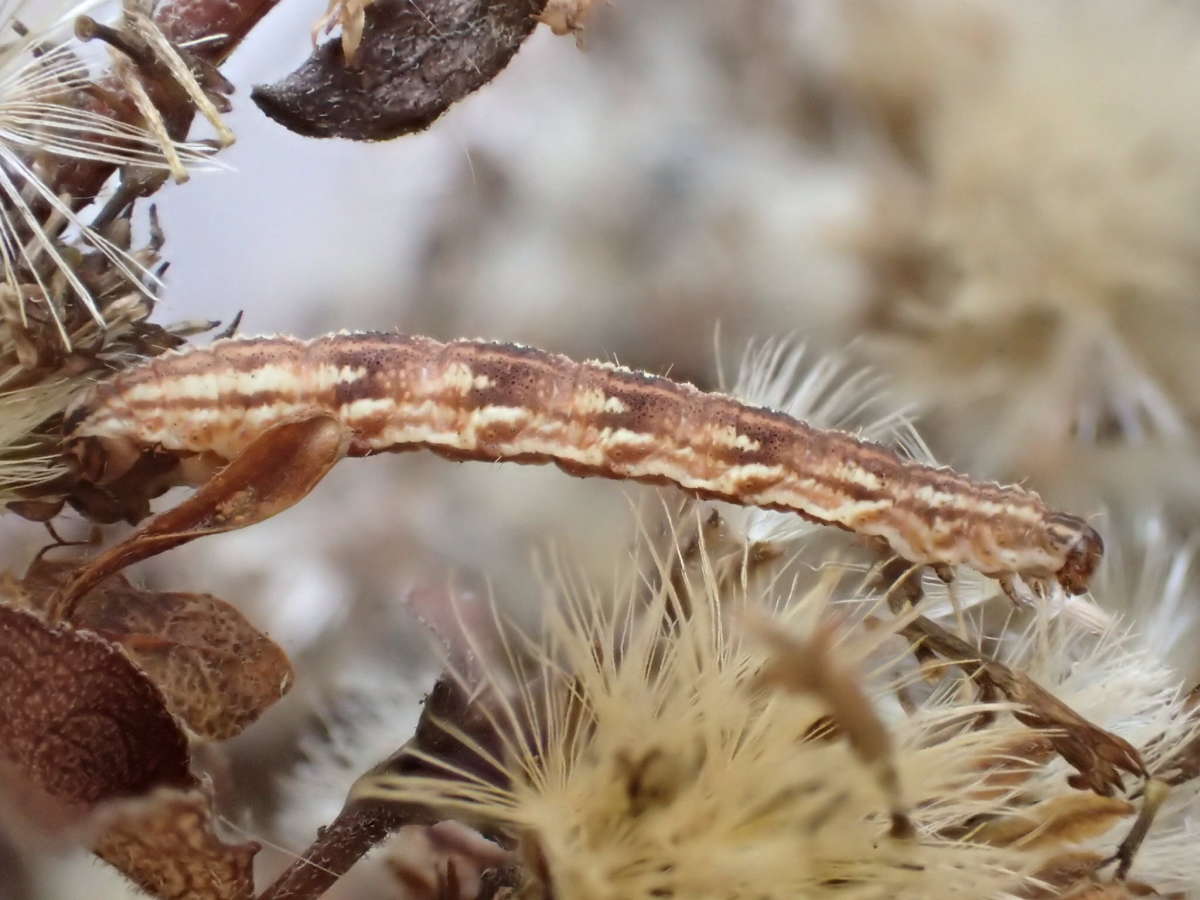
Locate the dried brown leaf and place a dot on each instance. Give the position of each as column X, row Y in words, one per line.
column 166, row 845
column 217, row 671
column 278, row 469
column 1098, row 756
column 413, row 62
column 1068, row 819
column 78, row 719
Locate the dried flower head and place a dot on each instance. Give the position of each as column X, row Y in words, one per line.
column 49, row 120
column 75, row 291
column 648, row 752
column 1034, row 239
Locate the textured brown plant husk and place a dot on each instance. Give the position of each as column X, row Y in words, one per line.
column 166, row 845
column 79, row 720
column 217, row 672
column 277, row 470
column 417, row 57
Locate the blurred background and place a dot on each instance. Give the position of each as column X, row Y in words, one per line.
column 993, row 205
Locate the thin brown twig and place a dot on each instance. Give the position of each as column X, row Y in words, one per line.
column 363, row 823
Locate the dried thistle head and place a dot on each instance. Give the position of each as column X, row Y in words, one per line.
column 75, row 291
column 647, row 750
column 1034, row 237
column 55, row 113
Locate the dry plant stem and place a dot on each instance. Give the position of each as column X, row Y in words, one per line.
column 358, row 828
column 502, row 402
column 364, row 822
column 278, row 469
column 1156, row 794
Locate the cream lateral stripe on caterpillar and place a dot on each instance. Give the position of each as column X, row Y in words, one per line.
column 470, row 399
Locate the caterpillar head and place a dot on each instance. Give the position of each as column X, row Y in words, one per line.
column 1081, row 547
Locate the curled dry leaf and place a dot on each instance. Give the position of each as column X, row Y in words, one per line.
column 276, row 470
column 1069, row 819
column 1099, row 756
column 216, row 670
column 165, row 844
column 79, row 720
column 415, row 59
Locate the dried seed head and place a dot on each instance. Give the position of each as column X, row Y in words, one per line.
column 642, row 757
column 1061, row 323
column 48, row 121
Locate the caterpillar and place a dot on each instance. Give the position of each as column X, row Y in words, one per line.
column 477, row 400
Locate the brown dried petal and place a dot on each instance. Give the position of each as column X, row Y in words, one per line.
column 218, row 672
column 78, row 719
column 1061, row 872
column 1069, row 819
column 278, row 469
column 416, row 58
column 1012, row 765
column 165, row 844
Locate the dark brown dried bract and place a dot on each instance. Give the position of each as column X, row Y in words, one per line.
column 165, row 844
column 218, row 672
column 1098, row 756
column 78, row 719
column 278, row 469
column 417, row 57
